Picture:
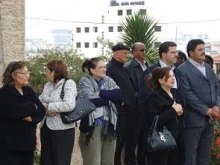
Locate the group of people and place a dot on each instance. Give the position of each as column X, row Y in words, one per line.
column 183, row 91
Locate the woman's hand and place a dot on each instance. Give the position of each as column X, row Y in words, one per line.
column 178, row 108
column 28, row 119
column 51, row 114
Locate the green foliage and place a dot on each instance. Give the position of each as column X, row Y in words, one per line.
column 215, row 154
column 37, row 65
column 107, row 45
column 140, row 28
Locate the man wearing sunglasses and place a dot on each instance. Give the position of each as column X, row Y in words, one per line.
column 135, row 67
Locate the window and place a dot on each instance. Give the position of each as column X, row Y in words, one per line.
column 119, row 29
column 86, row 44
column 95, row 29
column 120, row 12
column 157, row 28
column 86, row 29
column 103, row 19
column 110, row 29
column 129, row 11
column 102, row 35
column 78, row 30
column 143, row 11
column 78, row 45
column 95, row 45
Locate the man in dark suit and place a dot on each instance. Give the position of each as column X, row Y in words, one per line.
column 116, row 70
column 168, row 57
column 135, row 67
column 202, row 96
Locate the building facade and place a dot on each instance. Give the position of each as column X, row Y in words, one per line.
column 107, row 27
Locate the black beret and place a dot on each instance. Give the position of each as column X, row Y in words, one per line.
column 119, row 47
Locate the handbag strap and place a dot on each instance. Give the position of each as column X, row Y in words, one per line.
column 154, row 124
column 62, row 94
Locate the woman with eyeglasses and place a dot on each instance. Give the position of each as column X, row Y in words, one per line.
column 20, row 112
column 97, row 131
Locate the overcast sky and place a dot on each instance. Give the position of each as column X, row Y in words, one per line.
column 77, row 10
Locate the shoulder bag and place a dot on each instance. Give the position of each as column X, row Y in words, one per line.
column 82, row 108
column 159, row 139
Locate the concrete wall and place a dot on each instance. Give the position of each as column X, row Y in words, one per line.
column 12, row 31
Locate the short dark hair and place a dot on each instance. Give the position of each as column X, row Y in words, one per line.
column 90, row 63
column 155, row 75
column 59, row 68
column 11, row 67
column 181, row 54
column 191, row 46
column 164, row 47
column 209, row 60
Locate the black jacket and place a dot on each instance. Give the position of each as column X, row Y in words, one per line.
column 119, row 74
column 16, row 133
column 135, row 72
column 160, row 103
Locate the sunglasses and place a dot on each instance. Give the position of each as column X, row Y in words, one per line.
column 142, row 50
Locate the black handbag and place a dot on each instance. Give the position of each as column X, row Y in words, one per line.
column 159, row 139
column 82, row 108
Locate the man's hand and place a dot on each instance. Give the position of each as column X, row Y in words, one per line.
column 210, row 113
column 215, row 111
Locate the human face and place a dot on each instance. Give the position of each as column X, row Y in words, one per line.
column 21, row 77
column 169, row 83
column 198, row 55
column 50, row 75
column 140, row 52
column 99, row 72
column 170, row 57
column 180, row 60
column 121, row 55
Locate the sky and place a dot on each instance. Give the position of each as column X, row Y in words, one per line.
column 204, row 14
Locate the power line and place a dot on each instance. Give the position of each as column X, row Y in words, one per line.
column 90, row 22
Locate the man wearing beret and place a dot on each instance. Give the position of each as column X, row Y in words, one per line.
column 116, row 70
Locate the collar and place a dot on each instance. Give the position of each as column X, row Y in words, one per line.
column 139, row 63
column 162, row 64
column 120, row 64
column 196, row 63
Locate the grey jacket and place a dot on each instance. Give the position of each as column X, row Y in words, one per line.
column 51, row 96
column 200, row 93
column 88, row 88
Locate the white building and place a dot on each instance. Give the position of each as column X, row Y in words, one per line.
column 107, row 26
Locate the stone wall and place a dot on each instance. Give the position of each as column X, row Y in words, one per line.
column 12, row 31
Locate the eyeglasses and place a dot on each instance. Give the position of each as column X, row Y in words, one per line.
column 24, row 73
column 142, row 50
column 101, row 67
column 173, row 52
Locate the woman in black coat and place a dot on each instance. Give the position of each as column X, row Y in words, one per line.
column 165, row 101
column 20, row 112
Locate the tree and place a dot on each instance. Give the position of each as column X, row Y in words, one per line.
column 140, row 28
column 37, row 65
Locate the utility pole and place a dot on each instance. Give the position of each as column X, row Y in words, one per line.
column 176, row 35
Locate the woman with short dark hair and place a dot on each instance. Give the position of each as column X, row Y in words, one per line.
column 57, row 138
column 20, row 112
